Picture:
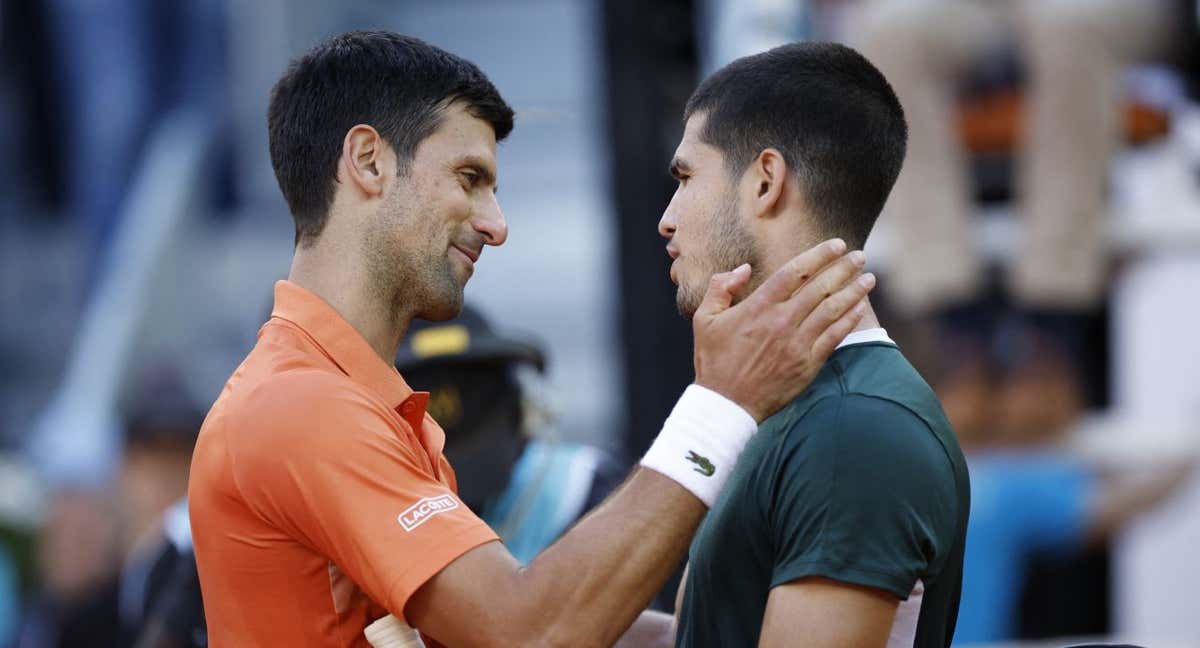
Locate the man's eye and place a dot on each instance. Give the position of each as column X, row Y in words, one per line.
column 469, row 177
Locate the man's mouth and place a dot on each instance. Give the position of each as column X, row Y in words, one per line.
column 472, row 255
column 673, row 252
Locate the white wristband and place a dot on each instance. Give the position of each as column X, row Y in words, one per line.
column 390, row 632
column 700, row 442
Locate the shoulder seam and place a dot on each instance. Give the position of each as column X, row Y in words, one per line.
column 290, row 374
column 840, row 373
column 914, row 414
column 310, row 340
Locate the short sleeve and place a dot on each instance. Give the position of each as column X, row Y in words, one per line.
column 330, row 470
column 865, row 496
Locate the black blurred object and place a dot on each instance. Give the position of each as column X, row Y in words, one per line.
column 172, row 607
column 474, row 395
column 162, row 411
column 39, row 132
column 1188, row 56
column 651, row 70
column 465, row 339
column 479, row 406
column 651, row 67
column 89, row 621
column 160, row 588
column 1066, row 596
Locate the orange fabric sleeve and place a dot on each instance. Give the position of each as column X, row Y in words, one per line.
column 345, row 476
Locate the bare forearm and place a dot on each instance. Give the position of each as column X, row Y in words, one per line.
column 591, row 585
column 1124, row 496
column 650, row 630
column 585, row 590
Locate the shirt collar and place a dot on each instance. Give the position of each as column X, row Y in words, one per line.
column 866, row 335
column 340, row 341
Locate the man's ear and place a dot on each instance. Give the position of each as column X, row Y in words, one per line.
column 366, row 162
column 766, row 178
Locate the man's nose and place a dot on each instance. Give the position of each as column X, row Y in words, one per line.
column 490, row 222
column 666, row 224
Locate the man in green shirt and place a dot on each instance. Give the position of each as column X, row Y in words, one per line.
column 844, row 522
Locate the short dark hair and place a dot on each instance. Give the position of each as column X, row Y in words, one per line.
column 832, row 115
column 398, row 84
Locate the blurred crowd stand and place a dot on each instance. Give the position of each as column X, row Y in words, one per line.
column 144, row 118
column 1072, row 54
column 123, row 113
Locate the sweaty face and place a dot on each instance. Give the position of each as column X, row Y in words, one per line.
column 703, row 225
column 432, row 225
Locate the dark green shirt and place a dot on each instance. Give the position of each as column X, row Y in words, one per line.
column 859, row 480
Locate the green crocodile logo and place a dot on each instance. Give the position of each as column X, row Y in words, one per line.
column 703, row 465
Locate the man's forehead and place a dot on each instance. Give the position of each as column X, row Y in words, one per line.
column 462, row 134
column 694, row 126
column 458, row 121
column 691, row 147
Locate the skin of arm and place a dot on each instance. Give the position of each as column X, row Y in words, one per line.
column 578, row 592
column 587, row 588
column 654, row 629
column 827, row 614
column 1125, row 494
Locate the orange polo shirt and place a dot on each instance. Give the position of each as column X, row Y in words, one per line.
column 320, row 499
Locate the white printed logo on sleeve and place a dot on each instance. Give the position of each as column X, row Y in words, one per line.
column 419, row 513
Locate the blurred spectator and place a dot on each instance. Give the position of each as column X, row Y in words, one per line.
column 170, row 612
column 104, row 77
column 1028, row 496
column 115, row 68
column 161, row 432
column 512, row 471
column 1072, row 51
column 78, row 557
column 86, row 598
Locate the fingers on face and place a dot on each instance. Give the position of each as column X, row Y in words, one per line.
column 787, row 280
column 825, row 284
column 732, row 280
column 833, row 336
column 837, row 315
column 721, row 288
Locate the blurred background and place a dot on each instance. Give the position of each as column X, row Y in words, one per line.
column 1039, row 263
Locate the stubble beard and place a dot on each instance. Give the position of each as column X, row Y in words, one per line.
column 410, row 269
column 729, row 246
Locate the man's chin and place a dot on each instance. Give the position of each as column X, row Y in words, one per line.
column 445, row 307
column 686, row 305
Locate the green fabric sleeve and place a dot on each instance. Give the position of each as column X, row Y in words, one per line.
column 865, row 495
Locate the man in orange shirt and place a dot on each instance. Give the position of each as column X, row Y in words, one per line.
column 320, row 499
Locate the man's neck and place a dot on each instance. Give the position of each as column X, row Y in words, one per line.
column 869, row 320
column 335, row 279
column 777, row 255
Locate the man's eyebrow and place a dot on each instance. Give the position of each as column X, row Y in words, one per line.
column 484, row 169
column 679, row 167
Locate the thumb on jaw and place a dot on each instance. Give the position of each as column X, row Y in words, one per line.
column 721, row 288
